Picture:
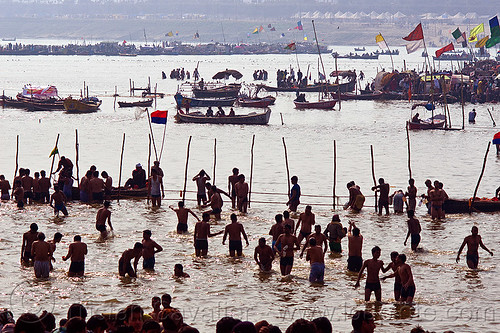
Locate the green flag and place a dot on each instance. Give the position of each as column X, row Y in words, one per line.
column 54, row 151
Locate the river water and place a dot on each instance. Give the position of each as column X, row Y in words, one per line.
column 449, row 296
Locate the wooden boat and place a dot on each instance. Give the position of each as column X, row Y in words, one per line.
column 129, row 193
column 332, row 87
column 372, row 95
column 321, row 104
column 257, row 102
column 41, row 104
column 247, row 119
column 436, row 122
column 365, row 56
column 230, row 90
column 148, row 94
column 183, row 101
column 10, row 102
column 85, row 105
column 145, row 103
column 360, row 49
column 457, row 206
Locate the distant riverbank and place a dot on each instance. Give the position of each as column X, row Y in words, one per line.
column 329, row 31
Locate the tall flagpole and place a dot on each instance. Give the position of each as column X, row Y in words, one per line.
column 390, row 52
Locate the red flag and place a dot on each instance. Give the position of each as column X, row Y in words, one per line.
column 442, row 50
column 416, row 34
column 409, row 93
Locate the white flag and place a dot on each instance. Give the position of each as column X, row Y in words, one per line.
column 414, row 46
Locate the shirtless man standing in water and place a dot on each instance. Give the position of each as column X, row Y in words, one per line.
column 406, row 277
column 231, row 189
column 473, row 243
column 150, row 248
column 76, row 252
column 383, row 201
column 235, row 230
column 288, row 244
column 182, row 217
column 264, row 255
column 201, row 234
column 307, row 220
column 373, row 267
column 103, row 214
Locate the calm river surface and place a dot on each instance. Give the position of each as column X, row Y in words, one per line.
column 449, row 296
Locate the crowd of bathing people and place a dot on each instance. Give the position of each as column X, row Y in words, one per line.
column 288, row 236
column 165, row 319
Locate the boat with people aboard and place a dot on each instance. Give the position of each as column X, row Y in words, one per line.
column 252, row 118
column 83, row 105
column 322, row 103
column 365, row 56
column 145, row 103
column 183, row 101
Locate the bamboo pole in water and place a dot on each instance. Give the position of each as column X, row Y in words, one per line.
column 215, row 160
column 114, row 102
column 186, row 170
column 373, row 176
column 77, row 157
column 121, row 165
column 54, row 158
column 149, row 164
column 17, row 164
column 152, row 135
column 251, row 171
column 480, row 177
column 409, row 151
column 286, row 164
column 334, row 172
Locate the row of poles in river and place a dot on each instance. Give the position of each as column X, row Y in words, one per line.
column 334, row 196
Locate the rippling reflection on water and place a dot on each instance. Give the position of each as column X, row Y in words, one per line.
column 449, row 296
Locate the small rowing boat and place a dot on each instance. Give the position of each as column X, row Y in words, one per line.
column 84, row 105
column 257, row 102
column 321, row 104
column 252, row 118
column 188, row 102
column 145, row 103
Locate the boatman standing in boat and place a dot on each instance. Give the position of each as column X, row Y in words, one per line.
column 294, row 196
column 473, row 242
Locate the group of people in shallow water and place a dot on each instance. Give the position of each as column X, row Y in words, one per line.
column 287, row 236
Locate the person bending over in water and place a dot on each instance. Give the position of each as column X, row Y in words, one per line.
column 124, row 266
column 473, row 242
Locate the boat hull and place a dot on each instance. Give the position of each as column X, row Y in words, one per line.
column 453, row 206
column 344, row 87
column 221, row 92
column 147, row 103
column 256, row 103
column 324, row 105
column 249, row 119
column 424, row 125
column 188, row 102
column 76, row 106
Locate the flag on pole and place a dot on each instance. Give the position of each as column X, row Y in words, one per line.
column 291, row 46
column 414, row 46
column 381, row 41
column 196, row 35
column 442, row 50
column 409, row 93
column 170, row 34
column 54, row 151
column 460, row 37
column 305, row 37
column 299, row 26
column 159, row 117
column 416, row 34
column 273, row 29
column 482, row 42
column 495, row 33
column 476, row 31
column 282, row 35
column 255, row 31
column 261, row 29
